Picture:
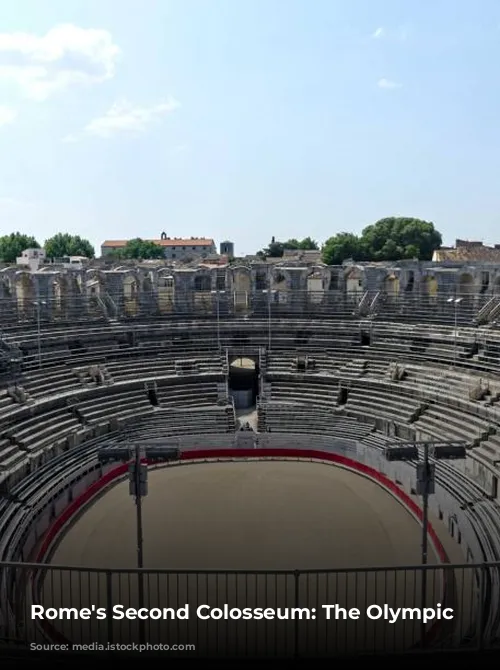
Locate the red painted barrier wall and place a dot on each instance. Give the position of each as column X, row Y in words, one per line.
column 75, row 506
column 366, row 470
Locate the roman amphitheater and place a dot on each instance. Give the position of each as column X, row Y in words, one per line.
column 264, row 400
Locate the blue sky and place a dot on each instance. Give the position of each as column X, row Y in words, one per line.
column 243, row 119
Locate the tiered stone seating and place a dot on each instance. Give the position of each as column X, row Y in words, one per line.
column 378, row 402
column 307, row 391
column 127, row 370
column 10, row 455
column 443, row 422
column 177, row 421
column 488, row 451
column 187, row 394
column 419, row 309
column 283, row 417
column 41, row 383
column 115, row 405
column 42, row 431
column 5, row 400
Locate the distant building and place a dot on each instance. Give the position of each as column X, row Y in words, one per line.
column 32, row 258
column 227, row 249
column 71, row 262
column 174, row 248
column 468, row 251
column 306, row 255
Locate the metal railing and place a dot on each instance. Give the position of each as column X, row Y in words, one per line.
column 449, row 308
column 205, row 612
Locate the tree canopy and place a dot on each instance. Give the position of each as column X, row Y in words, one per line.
column 64, row 244
column 13, row 245
column 139, row 249
column 275, row 249
column 341, row 247
column 389, row 239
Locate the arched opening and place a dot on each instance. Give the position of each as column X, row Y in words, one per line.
column 354, row 282
column 130, row 295
column 202, row 283
column 466, row 284
column 166, row 293
column 202, row 294
column 243, row 382
column 391, row 286
column 25, row 293
column 242, row 285
column 315, row 287
column 147, row 285
column 59, row 292
column 430, row 286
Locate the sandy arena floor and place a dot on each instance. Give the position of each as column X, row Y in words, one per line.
column 247, row 516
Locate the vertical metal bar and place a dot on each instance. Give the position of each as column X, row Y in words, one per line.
column 269, row 320
column 455, row 335
column 140, row 561
column 482, row 599
column 296, row 576
column 425, row 523
column 218, row 320
column 109, row 603
column 39, row 334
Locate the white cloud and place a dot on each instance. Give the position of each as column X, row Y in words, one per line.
column 38, row 66
column 399, row 34
column 7, row 115
column 124, row 118
column 387, row 83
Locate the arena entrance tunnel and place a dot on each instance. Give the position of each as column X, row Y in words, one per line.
column 244, row 381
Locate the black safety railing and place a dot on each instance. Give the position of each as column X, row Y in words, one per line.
column 302, row 613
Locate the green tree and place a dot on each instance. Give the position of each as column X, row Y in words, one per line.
column 390, row 239
column 396, row 238
column 141, row 249
column 13, row 245
column 275, row 249
column 341, row 247
column 308, row 244
column 64, row 244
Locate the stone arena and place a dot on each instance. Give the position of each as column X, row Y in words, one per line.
column 327, row 363
column 246, row 516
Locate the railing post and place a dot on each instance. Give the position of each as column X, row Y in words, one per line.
column 296, row 577
column 482, row 597
column 109, row 603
